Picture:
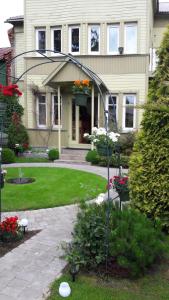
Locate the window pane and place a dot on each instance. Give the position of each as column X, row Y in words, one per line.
column 131, row 38
column 41, row 40
column 75, row 40
column 129, row 117
column 42, row 99
column 112, row 107
column 55, row 111
column 57, row 40
column 113, row 39
column 94, row 39
column 42, row 114
column 130, row 100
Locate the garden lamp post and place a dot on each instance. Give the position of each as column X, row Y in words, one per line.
column 3, row 141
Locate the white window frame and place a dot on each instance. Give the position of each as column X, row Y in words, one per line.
column 70, row 39
column 37, row 40
column 124, row 128
column 107, row 103
column 108, row 39
column 37, row 111
column 89, row 39
column 52, row 40
column 135, row 24
column 54, row 125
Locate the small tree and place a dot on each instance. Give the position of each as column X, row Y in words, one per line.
column 17, row 133
column 149, row 164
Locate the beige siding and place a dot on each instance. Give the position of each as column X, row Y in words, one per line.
column 19, row 48
column 70, row 12
column 159, row 29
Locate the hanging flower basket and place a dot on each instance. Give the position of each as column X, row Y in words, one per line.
column 81, row 91
column 81, row 98
column 124, row 196
column 104, row 151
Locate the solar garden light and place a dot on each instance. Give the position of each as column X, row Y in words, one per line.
column 64, row 289
column 24, row 224
column 74, row 269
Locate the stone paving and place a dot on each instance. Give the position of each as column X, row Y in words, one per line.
column 28, row 270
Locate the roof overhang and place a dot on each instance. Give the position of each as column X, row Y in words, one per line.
column 69, row 71
column 18, row 20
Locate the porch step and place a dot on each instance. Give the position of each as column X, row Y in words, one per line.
column 73, row 156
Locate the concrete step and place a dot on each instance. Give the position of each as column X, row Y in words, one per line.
column 73, row 155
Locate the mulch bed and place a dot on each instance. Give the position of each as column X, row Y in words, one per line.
column 7, row 247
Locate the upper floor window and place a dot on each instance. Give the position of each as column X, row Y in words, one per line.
column 41, row 111
column 41, row 39
column 129, row 112
column 55, row 110
column 113, row 39
column 74, row 39
column 94, row 39
column 56, row 39
column 130, row 38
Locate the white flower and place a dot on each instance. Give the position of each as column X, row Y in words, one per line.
column 100, row 199
column 86, row 135
column 4, row 172
column 95, row 140
column 101, row 131
column 16, row 145
column 94, row 130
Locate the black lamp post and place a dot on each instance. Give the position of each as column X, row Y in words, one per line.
column 3, row 141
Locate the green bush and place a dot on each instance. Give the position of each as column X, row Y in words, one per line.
column 53, row 154
column 126, row 143
column 114, row 161
column 92, row 157
column 17, row 134
column 149, row 165
column 8, row 156
column 134, row 243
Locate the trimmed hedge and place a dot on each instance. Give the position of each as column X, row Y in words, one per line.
column 53, row 154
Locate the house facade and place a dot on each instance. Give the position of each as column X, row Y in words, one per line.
column 115, row 41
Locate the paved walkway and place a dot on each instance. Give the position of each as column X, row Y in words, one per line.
column 28, row 270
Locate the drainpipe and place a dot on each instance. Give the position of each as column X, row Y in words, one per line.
column 59, row 122
column 92, row 118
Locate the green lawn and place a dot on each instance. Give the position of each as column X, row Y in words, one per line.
column 154, row 286
column 53, row 187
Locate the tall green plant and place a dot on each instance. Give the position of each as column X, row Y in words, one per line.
column 149, row 164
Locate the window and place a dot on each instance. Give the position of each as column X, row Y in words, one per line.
column 41, row 40
column 130, row 43
column 129, row 112
column 41, row 111
column 74, row 40
column 55, row 114
column 56, row 39
column 112, row 108
column 94, row 39
column 113, row 39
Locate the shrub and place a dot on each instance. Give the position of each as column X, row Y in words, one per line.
column 114, row 161
column 8, row 156
column 134, row 243
column 126, row 143
column 149, row 165
column 92, row 156
column 53, row 154
column 17, row 134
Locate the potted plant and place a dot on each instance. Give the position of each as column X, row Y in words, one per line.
column 81, row 90
column 120, row 183
column 103, row 141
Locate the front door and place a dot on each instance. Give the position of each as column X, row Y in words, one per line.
column 80, row 123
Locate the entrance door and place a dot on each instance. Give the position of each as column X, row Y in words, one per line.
column 80, row 123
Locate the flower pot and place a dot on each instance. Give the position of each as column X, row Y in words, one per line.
column 81, row 98
column 103, row 151
column 124, row 195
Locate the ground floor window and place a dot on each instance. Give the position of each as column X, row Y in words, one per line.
column 129, row 101
column 55, row 111
column 41, row 111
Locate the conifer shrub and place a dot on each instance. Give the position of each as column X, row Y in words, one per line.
column 8, row 156
column 149, row 164
column 134, row 243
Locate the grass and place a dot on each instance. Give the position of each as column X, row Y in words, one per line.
column 23, row 159
column 154, row 286
column 53, row 187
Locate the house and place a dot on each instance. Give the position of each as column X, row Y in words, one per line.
column 5, row 65
column 113, row 39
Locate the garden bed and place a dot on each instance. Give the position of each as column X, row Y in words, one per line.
column 7, row 247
